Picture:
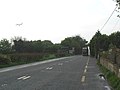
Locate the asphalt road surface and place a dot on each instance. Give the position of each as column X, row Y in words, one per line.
column 69, row 73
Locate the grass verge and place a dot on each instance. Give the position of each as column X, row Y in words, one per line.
column 112, row 79
column 19, row 59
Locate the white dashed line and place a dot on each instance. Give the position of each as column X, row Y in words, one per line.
column 83, row 79
column 85, row 70
column 88, row 61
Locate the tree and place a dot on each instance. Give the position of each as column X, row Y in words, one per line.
column 95, row 44
column 101, row 42
column 104, row 42
column 18, row 45
column 77, row 42
column 47, row 46
column 115, row 39
column 55, row 48
column 5, row 46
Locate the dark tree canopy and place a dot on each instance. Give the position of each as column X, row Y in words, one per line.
column 21, row 45
column 5, row 46
column 74, row 42
column 32, row 46
column 98, row 43
column 115, row 39
column 101, row 42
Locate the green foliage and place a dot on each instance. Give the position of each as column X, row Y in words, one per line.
column 104, row 42
column 56, row 47
column 46, row 46
column 32, row 46
column 104, row 54
column 4, row 59
column 5, row 46
column 113, row 80
column 49, row 56
column 23, row 51
column 101, row 42
column 77, row 42
column 95, row 44
column 24, row 58
column 115, row 39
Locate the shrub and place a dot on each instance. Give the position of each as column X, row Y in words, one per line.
column 4, row 59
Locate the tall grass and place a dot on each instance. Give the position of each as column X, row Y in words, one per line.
column 112, row 79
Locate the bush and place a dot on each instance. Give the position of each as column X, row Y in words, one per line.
column 26, row 57
column 4, row 59
column 30, row 57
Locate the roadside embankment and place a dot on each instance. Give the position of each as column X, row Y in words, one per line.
column 24, row 58
column 109, row 63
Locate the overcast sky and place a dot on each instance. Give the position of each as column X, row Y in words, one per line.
column 56, row 19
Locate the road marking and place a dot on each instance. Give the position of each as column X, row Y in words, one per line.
column 83, row 79
column 24, row 77
column 88, row 61
column 32, row 64
column 85, row 70
column 4, row 85
column 49, row 68
column 86, row 66
column 21, row 77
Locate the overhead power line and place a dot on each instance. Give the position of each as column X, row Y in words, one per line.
column 108, row 18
